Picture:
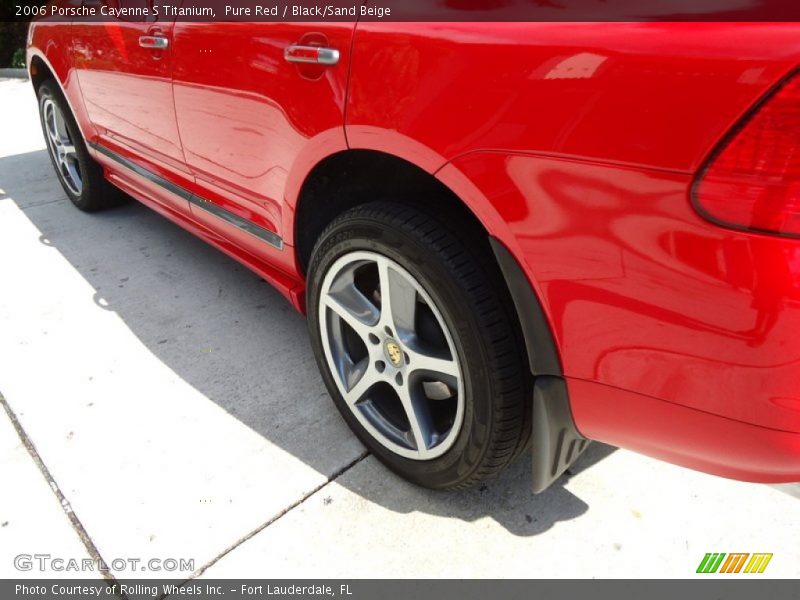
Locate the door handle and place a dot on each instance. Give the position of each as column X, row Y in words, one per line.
column 311, row 54
column 154, row 42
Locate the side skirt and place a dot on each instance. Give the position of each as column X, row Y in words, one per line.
column 265, row 235
column 288, row 285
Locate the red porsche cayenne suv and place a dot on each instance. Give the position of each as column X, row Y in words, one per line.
column 505, row 236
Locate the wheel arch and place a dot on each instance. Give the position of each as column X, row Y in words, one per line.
column 39, row 71
column 353, row 177
column 47, row 64
column 349, row 178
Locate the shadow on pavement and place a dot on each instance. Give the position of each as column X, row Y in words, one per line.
column 232, row 337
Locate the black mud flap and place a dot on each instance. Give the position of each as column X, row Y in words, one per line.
column 556, row 442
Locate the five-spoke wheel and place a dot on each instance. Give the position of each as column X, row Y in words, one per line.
column 393, row 358
column 61, row 146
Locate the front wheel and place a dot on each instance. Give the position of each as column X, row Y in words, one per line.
column 418, row 346
column 79, row 174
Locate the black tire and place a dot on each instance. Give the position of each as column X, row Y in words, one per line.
column 470, row 295
column 96, row 192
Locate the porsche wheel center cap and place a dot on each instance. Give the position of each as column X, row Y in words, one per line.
column 393, row 353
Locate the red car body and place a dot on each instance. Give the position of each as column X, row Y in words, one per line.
column 576, row 145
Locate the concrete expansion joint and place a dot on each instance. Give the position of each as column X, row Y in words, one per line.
column 364, row 454
column 62, row 499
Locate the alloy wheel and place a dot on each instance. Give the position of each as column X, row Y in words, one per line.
column 61, row 147
column 391, row 355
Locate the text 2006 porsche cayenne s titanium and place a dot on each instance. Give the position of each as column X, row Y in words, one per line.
column 505, row 236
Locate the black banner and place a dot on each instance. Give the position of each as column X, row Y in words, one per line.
column 402, row 10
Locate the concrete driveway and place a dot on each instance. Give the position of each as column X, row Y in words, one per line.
column 163, row 402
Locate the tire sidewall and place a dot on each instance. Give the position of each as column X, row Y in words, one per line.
column 466, row 453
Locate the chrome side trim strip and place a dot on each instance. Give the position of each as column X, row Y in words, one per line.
column 273, row 239
column 149, row 175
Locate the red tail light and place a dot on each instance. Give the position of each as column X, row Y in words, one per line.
column 753, row 181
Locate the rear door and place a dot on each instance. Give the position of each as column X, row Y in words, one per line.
column 124, row 67
column 246, row 114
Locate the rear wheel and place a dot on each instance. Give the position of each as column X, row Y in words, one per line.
column 417, row 346
column 79, row 174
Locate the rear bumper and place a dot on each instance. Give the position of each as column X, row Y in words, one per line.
column 684, row 436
